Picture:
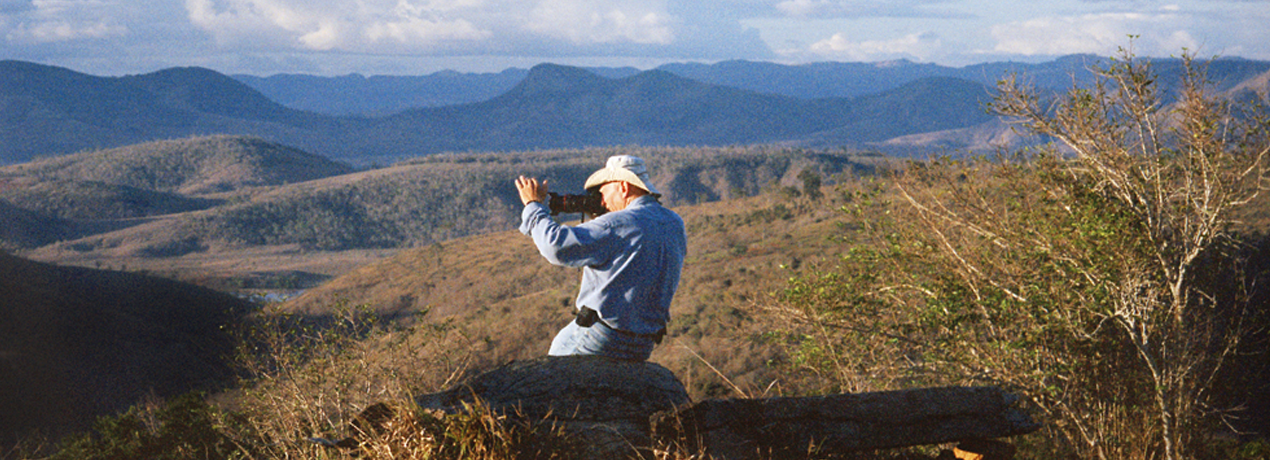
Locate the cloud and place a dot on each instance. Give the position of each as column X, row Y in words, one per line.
column 435, row 26
column 423, row 30
column 265, row 24
column 51, row 21
column 543, row 28
column 60, row 31
column 921, row 46
column 1163, row 31
column 407, row 36
column 603, row 21
column 822, row 9
column 1062, row 35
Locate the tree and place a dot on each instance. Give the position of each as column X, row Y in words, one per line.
column 811, row 183
column 1098, row 276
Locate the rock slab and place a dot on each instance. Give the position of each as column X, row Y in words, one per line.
column 786, row 427
column 605, row 402
column 620, row 409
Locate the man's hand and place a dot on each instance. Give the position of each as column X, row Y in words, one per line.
column 531, row 190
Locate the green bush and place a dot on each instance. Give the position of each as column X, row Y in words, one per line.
column 186, row 427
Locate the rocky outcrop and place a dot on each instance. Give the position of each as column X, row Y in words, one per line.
column 787, row 427
column 606, row 403
column 620, row 409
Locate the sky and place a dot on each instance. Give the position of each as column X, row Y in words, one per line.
column 417, row 37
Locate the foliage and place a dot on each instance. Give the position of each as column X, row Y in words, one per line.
column 98, row 200
column 442, row 197
column 303, row 379
column 194, row 165
column 477, row 433
column 304, row 374
column 185, row 427
column 1102, row 281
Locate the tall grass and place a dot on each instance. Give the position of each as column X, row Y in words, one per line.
column 337, row 386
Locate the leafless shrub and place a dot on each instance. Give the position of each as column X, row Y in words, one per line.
column 1101, row 278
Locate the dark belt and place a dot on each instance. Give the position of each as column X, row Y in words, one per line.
column 588, row 317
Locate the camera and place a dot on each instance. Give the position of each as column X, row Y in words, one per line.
column 590, row 203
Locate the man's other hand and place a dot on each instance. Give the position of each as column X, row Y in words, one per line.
column 531, row 190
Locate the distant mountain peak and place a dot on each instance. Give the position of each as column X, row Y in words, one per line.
column 892, row 63
column 209, row 91
column 555, row 78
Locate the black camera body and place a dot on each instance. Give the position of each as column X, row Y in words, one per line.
column 590, row 203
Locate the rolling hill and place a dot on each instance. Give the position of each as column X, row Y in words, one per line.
column 190, row 166
column 23, row 228
column 414, row 204
column 72, row 196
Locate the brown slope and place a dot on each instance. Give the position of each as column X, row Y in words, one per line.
column 192, row 166
column 22, row 228
column 510, row 302
column 1255, row 89
column 77, row 343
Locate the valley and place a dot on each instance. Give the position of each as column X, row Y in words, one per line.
column 139, row 214
column 483, row 282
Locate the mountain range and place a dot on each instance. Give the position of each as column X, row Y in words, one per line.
column 384, row 94
column 50, row 111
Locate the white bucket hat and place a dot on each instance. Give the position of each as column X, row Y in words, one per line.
column 625, row 168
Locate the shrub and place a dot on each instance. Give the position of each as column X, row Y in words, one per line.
column 185, row 427
column 1101, row 279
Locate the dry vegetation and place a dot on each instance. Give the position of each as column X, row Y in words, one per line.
column 510, row 303
column 1117, row 284
column 1111, row 283
column 307, row 228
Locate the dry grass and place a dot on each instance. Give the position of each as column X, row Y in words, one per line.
column 510, row 302
column 343, row 385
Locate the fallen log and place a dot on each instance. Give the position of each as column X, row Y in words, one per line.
column 790, row 426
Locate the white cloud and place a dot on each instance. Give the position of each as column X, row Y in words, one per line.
column 422, row 30
column 603, row 21
column 326, row 36
column 807, row 8
column 52, row 21
column 921, row 46
column 436, row 26
column 1161, row 33
column 821, row 9
column 334, row 25
column 60, row 31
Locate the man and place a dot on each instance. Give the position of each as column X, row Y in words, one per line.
column 631, row 258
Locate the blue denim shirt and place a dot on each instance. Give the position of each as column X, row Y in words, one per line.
column 631, row 260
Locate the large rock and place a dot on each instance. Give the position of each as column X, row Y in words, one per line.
column 621, row 408
column 843, row 423
column 606, row 402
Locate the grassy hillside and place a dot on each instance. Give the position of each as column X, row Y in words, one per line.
column 192, row 166
column 76, row 343
column 89, row 193
column 440, row 197
column 24, row 228
column 92, row 200
column 437, row 198
column 509, row 302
